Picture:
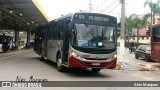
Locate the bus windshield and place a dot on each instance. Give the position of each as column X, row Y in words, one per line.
column 93, row 36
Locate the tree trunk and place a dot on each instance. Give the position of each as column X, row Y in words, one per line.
column 128, row 38
column 137, row 36
column 153, row 18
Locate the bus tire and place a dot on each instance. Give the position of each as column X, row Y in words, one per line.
column 96, row 70
column 60, row 67
column 41, row 58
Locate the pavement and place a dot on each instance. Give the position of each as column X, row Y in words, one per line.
column 127, row 63
column 130, row 63
column 14, row 53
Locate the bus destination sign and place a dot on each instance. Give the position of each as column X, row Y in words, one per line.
column 91, row 18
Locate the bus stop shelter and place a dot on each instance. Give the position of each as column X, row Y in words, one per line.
column 20, row 15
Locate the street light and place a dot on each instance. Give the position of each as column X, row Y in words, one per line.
column 21, row 14
column 11, row 12
column 27, row 23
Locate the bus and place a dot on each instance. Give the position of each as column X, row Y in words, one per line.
column 79, row 40
column 155, row 43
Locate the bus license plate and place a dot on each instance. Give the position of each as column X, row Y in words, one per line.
column 96, row 64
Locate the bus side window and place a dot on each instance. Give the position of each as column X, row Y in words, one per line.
column 156, row 34
column 55, row 30
column 60, row 30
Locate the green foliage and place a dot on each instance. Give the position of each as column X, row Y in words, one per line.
column 118, row 32
column 154, row 6
column 134, row 21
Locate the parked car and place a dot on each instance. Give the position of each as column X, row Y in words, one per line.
column 143, row 51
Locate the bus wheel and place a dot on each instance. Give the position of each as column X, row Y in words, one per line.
column 41, row 58
column 96, row 70
column 60, row 67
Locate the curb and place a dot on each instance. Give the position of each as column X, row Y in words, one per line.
column 145, row 67
column 137, row 66
column 152, row 67
column 118, row 66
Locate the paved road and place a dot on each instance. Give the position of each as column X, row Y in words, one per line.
column 28, row 64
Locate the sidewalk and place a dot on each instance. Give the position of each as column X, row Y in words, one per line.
column 140, row 64
column 16, row 52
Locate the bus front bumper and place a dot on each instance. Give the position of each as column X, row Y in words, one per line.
column 75, row 63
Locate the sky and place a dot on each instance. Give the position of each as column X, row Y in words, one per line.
column 56, row 8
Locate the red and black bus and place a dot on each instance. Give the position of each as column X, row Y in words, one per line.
column 80, row 40
column 155, row 43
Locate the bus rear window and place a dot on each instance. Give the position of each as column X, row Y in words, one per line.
column 156, row 34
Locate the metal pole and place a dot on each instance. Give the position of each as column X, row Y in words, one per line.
column 17, row 29
column 0, row 19
column 28, row 37
column 122, row 37
column 0, row 15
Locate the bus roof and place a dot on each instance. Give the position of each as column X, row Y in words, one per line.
column 71, row 15
column 63, row 17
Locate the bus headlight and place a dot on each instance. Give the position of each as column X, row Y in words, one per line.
column 73, row 54
column 112, row 58
column 76, row 56
column 115, row 56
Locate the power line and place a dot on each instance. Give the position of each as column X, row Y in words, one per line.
column 110, row 5
column 113, row 8
column 100, row 4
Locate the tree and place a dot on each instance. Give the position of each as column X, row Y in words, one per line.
column 154, row 7
column 128, row 26
column 136, row 22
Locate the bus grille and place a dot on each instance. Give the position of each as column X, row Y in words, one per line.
column 96, row 58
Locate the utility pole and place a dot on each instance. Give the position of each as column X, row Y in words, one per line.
column 122, row 36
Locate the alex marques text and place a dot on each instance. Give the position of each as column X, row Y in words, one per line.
column 31, row 79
